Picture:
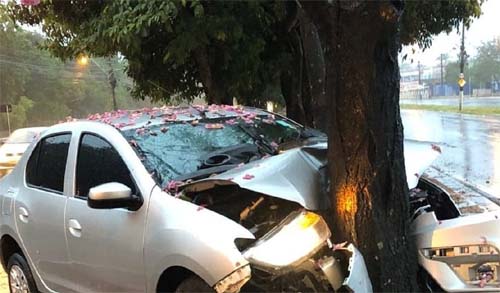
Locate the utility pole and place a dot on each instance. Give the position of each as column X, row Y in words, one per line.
column 419, row 73
column 461, row 80
column 442, row 70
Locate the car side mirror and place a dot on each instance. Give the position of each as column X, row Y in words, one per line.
column 113, row 195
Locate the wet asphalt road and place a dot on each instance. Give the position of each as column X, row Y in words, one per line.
column 468, row 101
column 470, row 145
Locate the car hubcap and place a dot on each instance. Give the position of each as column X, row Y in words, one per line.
column 17, row 280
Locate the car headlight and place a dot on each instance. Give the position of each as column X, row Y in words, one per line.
column 300, row 234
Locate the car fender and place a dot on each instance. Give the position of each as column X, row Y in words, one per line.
column 179, row 233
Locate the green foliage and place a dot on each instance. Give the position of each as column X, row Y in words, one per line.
column 245, row 44
column 160, row 39
column 426, row 18
column 484, row 67
column 452, row 70
column 18, row 116
column 44, row 90
column 486, row 64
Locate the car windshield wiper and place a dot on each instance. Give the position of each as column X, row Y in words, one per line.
column 308, row 132
column 259, row 140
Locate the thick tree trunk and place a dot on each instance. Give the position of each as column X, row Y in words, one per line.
column 215, row 93
column 368, row 181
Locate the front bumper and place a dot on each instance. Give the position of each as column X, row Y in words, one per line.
column 325, row 271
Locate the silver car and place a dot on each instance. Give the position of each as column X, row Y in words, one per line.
column 216, row 198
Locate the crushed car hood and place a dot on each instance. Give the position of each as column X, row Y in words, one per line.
column 299, row 174
column 418, row 158
column 295, row 175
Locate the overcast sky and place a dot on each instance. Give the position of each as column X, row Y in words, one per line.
column 483, row 29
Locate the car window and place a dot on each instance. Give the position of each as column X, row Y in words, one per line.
column 98, row 163
column 46, row 166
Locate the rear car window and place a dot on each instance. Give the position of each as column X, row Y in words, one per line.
column 47, row 164
column 98, row 163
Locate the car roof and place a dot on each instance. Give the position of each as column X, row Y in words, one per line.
column 33, row 129
column 132, row 119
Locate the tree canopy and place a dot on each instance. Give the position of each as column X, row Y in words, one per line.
column 252, row 51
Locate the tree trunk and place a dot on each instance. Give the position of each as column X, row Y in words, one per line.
column 368, row 181
column 315, row 71
column 215, row 93
column 291, row 81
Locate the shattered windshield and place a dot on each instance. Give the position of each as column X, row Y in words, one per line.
column 171, row 149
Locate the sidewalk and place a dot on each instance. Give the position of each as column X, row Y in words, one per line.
column 452, row 101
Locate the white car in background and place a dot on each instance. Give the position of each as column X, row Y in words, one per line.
column 14, row 147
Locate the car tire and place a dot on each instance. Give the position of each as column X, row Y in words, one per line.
column 19, row 275
column 194, row 284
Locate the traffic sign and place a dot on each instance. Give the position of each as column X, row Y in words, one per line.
column 5, row 108
column 461, row 82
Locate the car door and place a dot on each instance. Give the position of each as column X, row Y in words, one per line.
column 105, row 245
column 39, row 210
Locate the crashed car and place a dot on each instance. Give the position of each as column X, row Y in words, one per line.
column 457, row 227
column 168, row 199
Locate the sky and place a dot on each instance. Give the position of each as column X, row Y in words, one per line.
column 483, row 29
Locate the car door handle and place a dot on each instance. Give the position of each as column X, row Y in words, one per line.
column 75, row 228
column 23, row 215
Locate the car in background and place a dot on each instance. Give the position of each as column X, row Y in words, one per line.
column 192, row 199
column 14, row 146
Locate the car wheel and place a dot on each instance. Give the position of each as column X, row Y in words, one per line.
column 193, row 284
column 20, row 277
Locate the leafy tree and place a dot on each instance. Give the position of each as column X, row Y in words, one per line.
column 486, row 64
column 44, row 90
column 172, row 47
column 452, row 70
column 336, row 65
column 20, row 110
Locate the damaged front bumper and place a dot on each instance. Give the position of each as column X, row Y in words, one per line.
column 298, row 255
column 341, row 270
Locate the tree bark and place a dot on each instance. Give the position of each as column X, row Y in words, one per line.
column 215, row 93
column 315, row 69
column 291, row 80
column 368, row 182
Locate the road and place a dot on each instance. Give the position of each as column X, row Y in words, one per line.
column 468, row 102
column 470, row 145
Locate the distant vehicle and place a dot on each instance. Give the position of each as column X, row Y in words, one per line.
column 14, row 146
column 174, row 199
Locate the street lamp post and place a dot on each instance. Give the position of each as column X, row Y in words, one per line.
column 461, row 80
column 83, row 60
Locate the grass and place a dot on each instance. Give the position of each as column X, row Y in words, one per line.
column 454, row 109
